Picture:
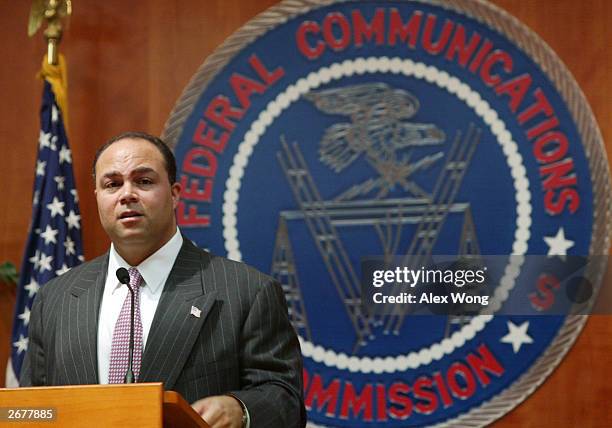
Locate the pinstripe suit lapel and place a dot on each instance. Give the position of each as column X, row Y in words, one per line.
column 174, row 329
column 80, row 319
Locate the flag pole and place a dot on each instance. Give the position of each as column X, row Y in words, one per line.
column 54, row 12
column 54, row 242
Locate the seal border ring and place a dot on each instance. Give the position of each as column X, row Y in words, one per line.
column 552, row 67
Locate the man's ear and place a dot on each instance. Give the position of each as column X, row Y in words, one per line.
column 175, row 189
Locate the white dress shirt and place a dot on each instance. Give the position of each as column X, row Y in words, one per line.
column 154, row 271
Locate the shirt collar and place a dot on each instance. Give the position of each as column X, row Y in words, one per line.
column 155, row 268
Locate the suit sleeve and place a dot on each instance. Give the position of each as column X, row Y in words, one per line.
column 33, row 369
column 271, row 363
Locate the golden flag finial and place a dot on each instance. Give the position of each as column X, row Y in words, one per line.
column 53, row 11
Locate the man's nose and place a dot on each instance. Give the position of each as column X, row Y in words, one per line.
column 128, row 194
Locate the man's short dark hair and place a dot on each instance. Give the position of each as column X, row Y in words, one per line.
column 163, row 148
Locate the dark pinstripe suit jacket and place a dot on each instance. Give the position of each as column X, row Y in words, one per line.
column 242, row 343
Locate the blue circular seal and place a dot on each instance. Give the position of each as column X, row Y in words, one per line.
column 322, row 133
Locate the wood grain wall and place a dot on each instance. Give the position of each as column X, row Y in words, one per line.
column 128, row 63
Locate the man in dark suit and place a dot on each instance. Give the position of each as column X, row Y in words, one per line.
column 215, row 330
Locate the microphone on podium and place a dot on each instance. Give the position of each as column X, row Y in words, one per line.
column 124, row 278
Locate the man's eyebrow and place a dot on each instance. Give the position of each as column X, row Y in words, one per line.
column 142, row 170
column 137, row 171
column 111, row 174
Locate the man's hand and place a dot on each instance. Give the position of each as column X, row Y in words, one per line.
column 220, row 411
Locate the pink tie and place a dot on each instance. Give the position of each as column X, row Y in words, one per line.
column 121, row 336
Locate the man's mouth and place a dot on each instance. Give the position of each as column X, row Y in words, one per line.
column 129, row 214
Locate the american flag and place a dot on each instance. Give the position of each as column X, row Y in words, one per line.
column 54, row 242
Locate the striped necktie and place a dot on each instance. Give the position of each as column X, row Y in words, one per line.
column 120, row 347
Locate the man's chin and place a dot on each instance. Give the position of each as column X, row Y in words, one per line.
column 131, row 235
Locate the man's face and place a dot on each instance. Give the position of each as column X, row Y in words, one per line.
column 136, row 201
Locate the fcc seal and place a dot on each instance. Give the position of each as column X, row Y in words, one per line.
column 325, row 132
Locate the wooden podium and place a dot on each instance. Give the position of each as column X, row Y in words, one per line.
column 127, row 406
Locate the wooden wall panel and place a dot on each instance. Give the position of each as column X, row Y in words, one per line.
column 128, row 63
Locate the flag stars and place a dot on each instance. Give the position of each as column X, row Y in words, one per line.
column 65, row 155
column 60, row 180
column 50, row 198
column 49, row 235
column 517, row 335
column 25, row 316
column 32, row 288
column 35, row 259
column 558, row 244
column 54, row 113
column 40, row 167
column 21, row 344
column 56, row 207
column 45, row 263
column 44, row 140
column 62, row 270
column 69, row 245
column 73, row 220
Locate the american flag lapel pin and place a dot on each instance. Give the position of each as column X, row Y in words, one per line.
column 195, row 312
